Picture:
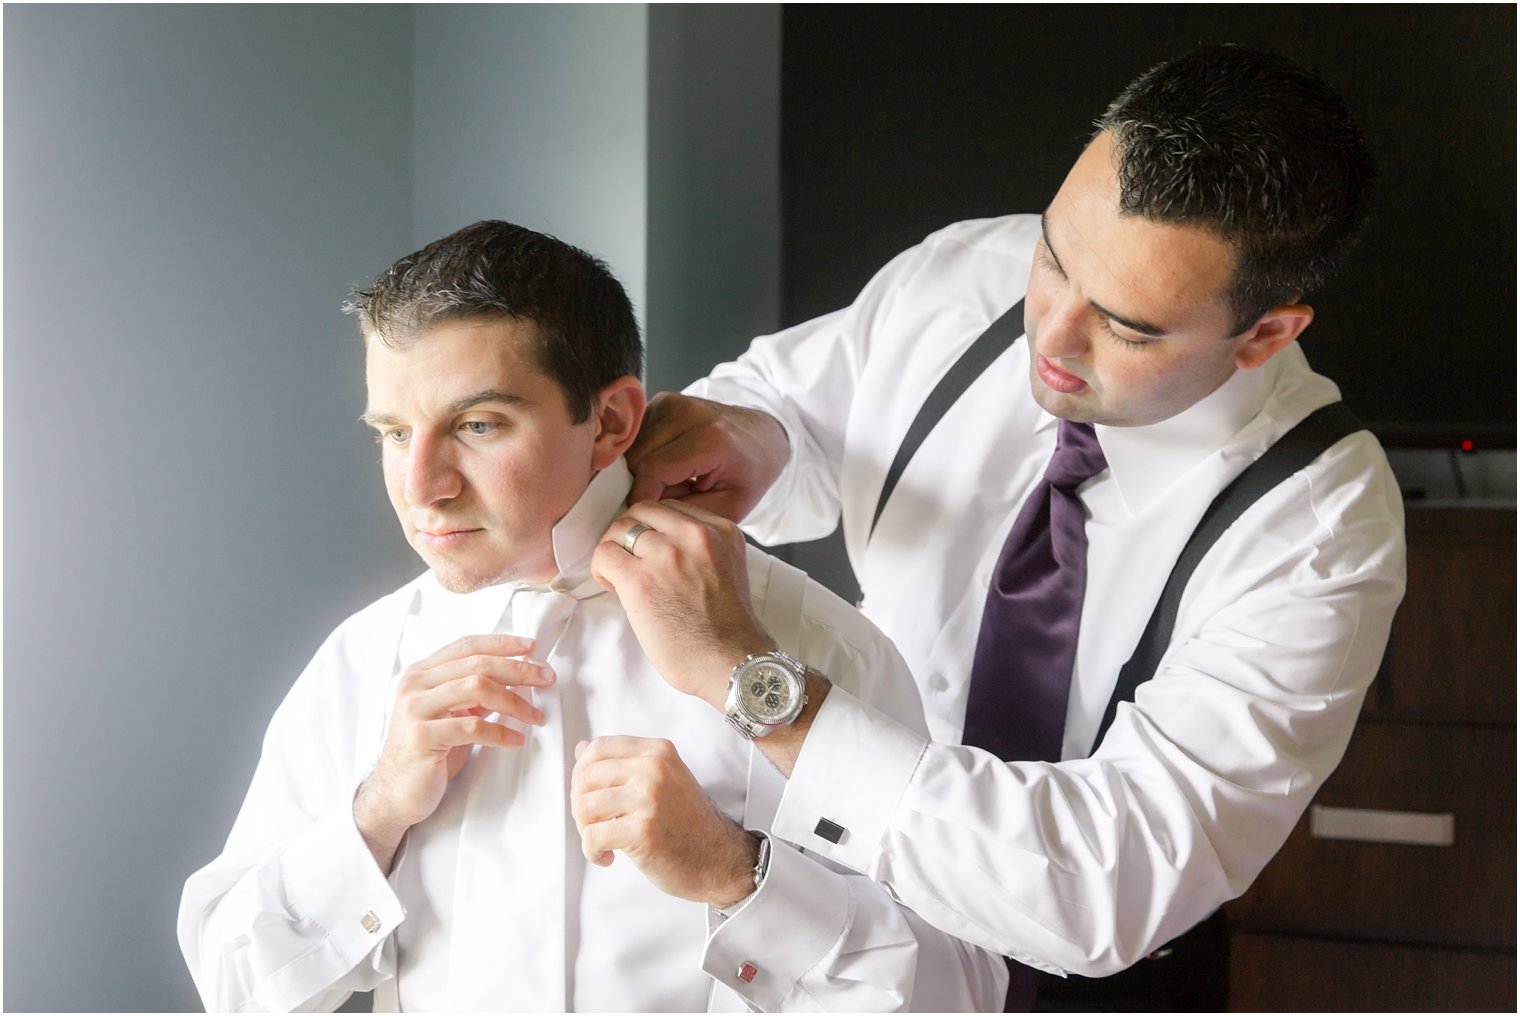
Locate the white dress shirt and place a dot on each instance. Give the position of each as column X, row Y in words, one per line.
column 490, row 904
column 1087, row 865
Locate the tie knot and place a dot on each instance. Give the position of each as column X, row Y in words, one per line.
column 1078, row 456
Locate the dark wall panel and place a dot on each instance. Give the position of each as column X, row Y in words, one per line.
column 899, row 119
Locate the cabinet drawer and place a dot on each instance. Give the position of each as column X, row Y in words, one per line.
column 1273, row 973
column 1451, row 653
column 1459, row 895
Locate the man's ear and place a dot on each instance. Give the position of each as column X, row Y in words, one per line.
column 619, row 411
column 1276, row 328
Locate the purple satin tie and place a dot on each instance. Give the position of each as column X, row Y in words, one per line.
column 1021, row 676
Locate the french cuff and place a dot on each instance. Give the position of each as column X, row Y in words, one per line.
column 853, row 770
column 781, row 932
column 331, row 879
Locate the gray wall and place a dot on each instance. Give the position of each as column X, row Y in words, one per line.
column 714, row 185
column 191, row 505
column 535, row 114
column 648, row 135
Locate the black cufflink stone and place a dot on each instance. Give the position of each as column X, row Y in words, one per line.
column 831, row 831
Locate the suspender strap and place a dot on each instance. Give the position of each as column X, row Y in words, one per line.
column 1311, row 437
column 988, row 347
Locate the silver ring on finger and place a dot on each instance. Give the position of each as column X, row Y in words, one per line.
column 631, row 537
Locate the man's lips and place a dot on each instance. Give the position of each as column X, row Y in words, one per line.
column 1056, row 378
column 440, row 539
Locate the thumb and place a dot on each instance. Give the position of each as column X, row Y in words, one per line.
column 646, row 487
column 608, row 562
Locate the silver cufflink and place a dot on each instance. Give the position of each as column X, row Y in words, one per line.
column 370, row 922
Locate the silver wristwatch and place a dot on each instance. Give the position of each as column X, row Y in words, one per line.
column 766, row 691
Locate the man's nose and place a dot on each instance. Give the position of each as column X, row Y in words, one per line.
column 1062, row 333
column 432, row 475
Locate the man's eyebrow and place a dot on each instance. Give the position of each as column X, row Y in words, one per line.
column 377, row 419
column 1142, row 327
column 480, row 398
column 459, row 405
column 1045, row 235
column 1133, row 324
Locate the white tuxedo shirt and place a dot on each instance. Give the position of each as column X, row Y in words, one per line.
column 490, row 904
column 1088, row 865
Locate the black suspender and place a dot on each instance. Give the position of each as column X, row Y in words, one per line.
column 1312, row 436
column 999, row 335
column 1305, row 442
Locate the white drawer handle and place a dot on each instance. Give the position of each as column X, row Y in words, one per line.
column 1426, row 829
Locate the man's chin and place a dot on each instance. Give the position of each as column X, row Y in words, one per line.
column 1076, row 408
column 457, row 583
column 457, row 579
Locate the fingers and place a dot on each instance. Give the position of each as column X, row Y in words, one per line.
column 623, row 746
column 478, row 645
column 612, row 564
column 685, row 589
column 719, row 456
column 431, row 735
column 501, row 669
column 474, row 673
column 449, row 693
column 680, row 521
column 456, row 731
column 671, row 449
column 613, row 791
column 697, row 513
column 479, row 695
column 609, row 770
column 636, row 797
column 441, row 707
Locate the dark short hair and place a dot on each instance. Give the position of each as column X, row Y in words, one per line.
column 587, row 334
column 1255, row 148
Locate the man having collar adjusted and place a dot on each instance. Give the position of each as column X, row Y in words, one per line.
column 480, row 795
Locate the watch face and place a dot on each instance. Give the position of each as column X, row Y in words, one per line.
column 768, row 692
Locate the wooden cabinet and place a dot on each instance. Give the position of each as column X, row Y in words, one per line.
column 1396, row 922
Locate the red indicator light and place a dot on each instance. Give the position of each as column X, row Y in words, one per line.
column 1467, row 445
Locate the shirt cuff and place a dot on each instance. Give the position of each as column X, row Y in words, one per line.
column 854, row 768
column 781, row 932
column 332, row 880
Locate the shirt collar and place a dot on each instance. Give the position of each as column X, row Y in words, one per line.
column 1144, row 462
column 576, row 535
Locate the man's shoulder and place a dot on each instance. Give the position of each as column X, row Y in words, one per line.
column 341, row 685
column 990, row 231
column 381, row 617
column 962, row 276
column 1349, row 465
column 1003, row 233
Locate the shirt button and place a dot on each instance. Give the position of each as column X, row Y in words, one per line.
column 937, row 682
column 370, row 922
